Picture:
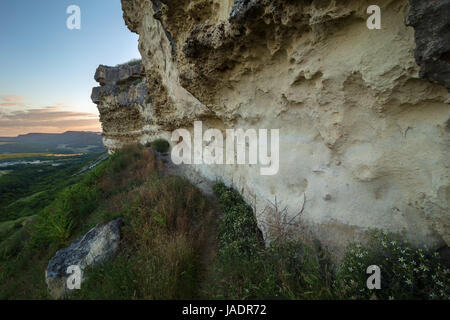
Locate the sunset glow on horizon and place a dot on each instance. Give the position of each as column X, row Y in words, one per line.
column 48, row 70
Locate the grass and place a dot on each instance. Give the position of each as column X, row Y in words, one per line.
column 26, row 248
column 131, row 62
column 8, row 227
column 21, row 267
column 169, row 233
column 125, row 87
column 246, row 269
column 166, row 219
column 134, row 62
column 22, row 196
column 298, row 268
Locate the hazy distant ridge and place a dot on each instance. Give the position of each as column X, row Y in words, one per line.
column 53, row 142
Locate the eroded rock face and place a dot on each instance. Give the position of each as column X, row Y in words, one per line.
column 122, row 100
column 95, row 246
column 431, row 22
column 364, row 140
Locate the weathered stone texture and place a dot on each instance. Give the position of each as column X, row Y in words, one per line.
column 95, row 246
column 364, row 136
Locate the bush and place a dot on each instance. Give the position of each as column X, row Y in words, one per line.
column 57, row 221
column 134, row 62
column 131, row 62
column 238, row 232
column 112, row 279
column 54, row 226
column 406, row 273
column 160, row 145
column 246, row 269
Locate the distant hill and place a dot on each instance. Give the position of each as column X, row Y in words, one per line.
column 67, row 142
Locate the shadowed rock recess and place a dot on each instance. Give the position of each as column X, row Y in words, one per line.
column 363, row 114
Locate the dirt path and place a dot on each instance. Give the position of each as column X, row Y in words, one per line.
column 210, row 248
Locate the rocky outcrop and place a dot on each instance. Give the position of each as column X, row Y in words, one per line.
column 364, row 134
column 95, row 246
column 122, row 100
column 431, row 23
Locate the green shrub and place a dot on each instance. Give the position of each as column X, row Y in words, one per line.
column 134, row 62
column 238, row 233
column 11, row 246
column 160, row 145
column 246, row 269
column 406, row 273
column 57, row 221
column 131, row 62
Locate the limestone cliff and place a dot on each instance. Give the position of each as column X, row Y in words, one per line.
column 363, row 114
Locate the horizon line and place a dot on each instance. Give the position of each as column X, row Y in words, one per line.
column 54, row 133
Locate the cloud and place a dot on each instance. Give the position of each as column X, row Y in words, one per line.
column 11, row 100
column 46, row 120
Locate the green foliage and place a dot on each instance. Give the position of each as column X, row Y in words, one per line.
column 54, row 226
column 134, row 62
column 164, row 240
column 56, row 222
column 13, row 244
column 27, row 244
column 111, row 280
column 164, row 222
column 160, row 145
column 29, row 188
column 238, row 233
column 406, row 273
column 246, row 269
column 303, row 270
column 137, row 81
column 131, row 62
column 26, row 252
column 9, row 227
column 21, row 268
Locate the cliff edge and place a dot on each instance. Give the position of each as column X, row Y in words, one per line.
column 363, row 114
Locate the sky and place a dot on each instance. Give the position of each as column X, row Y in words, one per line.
column 47, row 70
